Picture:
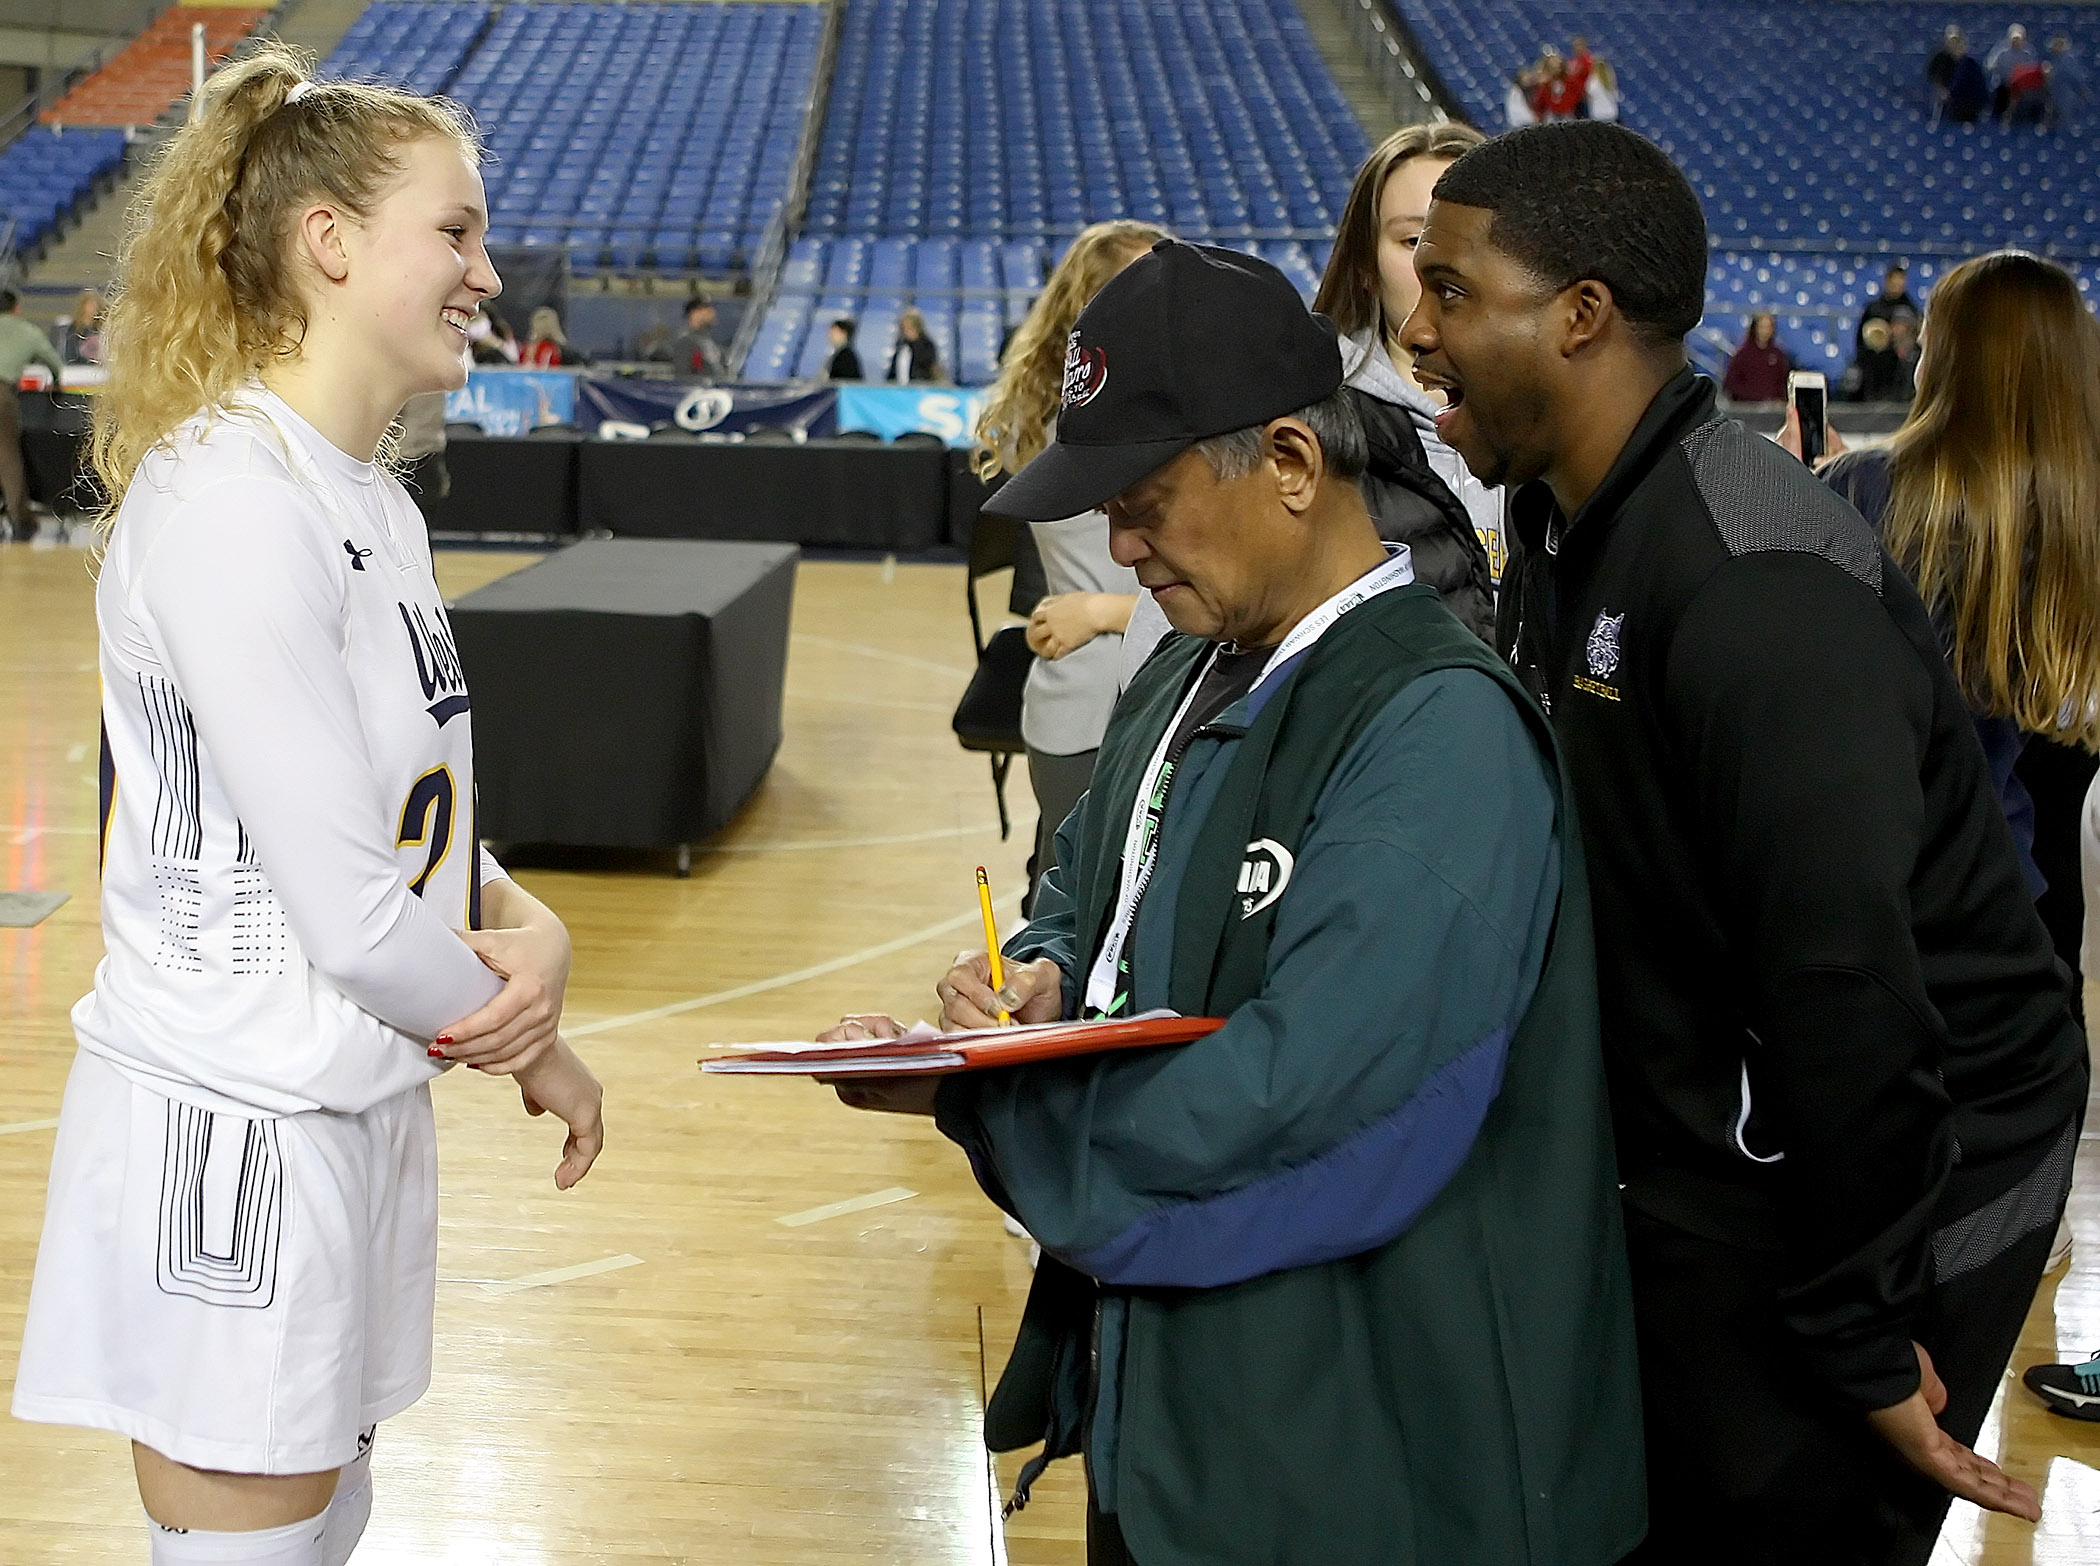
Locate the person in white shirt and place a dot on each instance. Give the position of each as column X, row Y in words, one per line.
column 238, row 1263
column 1076, row 630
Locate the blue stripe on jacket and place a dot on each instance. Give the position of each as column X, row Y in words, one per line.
column 1357, row 1196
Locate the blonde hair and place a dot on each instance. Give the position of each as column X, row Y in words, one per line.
column 546, row 326
column 1350, row 295
column 87, row 300
column 1994, row 491
column 1022, row 406
column 205, row 295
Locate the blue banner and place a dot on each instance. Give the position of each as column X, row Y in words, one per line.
column 513, row 402
column 947, row 411
column 703, row 408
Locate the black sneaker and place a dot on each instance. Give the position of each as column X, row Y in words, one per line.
column 2070, row 1390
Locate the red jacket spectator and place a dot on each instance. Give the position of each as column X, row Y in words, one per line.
column 1558, row 97
column 1580, row 65
column 1758, row 371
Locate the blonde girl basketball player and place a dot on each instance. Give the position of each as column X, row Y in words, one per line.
column 239, row 1252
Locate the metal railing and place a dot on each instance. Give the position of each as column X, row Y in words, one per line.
column 1410, row 87
column 772, row 250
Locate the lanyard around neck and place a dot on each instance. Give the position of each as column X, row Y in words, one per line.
column 1106, row 985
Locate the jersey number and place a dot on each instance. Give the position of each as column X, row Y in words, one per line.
column 426, row 818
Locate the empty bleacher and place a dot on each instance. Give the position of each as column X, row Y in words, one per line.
column 1806, row 130
column 967, row 141
column 639, row 136
column 44, row 173
column 145, row 78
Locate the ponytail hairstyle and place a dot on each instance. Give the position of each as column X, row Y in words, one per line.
column 1994, row 491
column 206, row 294
column 1022, row 406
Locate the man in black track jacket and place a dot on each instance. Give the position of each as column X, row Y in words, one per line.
column 1845, row 1074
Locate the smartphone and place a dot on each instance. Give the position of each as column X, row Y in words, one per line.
column 1809, row 396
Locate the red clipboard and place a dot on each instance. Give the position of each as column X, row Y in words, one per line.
column 925, row 1051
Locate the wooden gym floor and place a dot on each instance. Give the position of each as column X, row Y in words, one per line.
column 760, row 1333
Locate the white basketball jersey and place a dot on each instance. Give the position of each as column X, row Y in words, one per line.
column 288, row 827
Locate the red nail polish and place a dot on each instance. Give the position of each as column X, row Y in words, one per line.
column 444, row 1038
column 437, row 1054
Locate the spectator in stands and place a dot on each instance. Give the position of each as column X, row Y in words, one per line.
column 83, row 338
column 2019, row 84
column 1556, row 97
column 694, row 351
column 1817, row 961
column 845, row 358
column 1758, row 369
column 1989, row 498
column 1419, row 490
column 916, row 358
column 1516, row 107
column 1076, row 630
column 21, row 345
column 493, row 341
column 1960, row 89
column 2069, row 91
column 1581, row 63
column 1874, row 356
column 1602, row 102
column 548, row 346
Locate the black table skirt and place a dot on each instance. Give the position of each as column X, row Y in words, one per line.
column 627, row 692
column 849, row 494
column 500, row 485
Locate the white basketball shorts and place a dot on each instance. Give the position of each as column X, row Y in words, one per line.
column 239, row 1295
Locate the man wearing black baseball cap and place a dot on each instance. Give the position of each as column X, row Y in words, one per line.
column 1342, row 1282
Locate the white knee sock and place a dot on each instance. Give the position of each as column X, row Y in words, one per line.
column 296, row 1545
column 344, row 1521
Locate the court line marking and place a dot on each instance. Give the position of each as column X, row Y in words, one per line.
column 781, row 981
column 881, row 655
column 22, row 1126
column 870, row 701
column 852, row 1204
column 846, row 842
column 540, row 1280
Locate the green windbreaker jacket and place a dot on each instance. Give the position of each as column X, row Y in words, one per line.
column 1344, row 1281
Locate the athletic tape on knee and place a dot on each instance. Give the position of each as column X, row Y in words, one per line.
column 298, row 1544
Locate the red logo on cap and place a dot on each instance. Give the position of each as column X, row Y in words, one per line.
column 1086, row 373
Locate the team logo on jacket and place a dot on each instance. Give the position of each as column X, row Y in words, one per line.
column 1602, row 651
column 438, row 668
column 1603, row 647
column 1264, row 873
column 1086, row 373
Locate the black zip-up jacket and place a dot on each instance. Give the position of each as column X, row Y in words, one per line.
column 1413, row 506
column 1833, row 1021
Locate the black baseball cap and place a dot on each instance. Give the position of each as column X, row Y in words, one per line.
column 1185, row 343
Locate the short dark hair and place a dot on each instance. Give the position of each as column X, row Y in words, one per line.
column 846, row 324
column 1337, row 423
column 1590, row 199
column 1893, row 268
column 8, row 300
column 698, row 302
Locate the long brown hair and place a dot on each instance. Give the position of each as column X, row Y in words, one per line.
column 1349, row 293
column 1015, row 424
column 204, row 296
column 1994, row 492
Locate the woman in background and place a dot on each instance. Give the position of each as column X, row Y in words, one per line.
column 548, row 347
column 83, row 343
column 1076, row 631
column 1758, row 369
column 915, row 357
column 1419, row 490
column 1988, row 497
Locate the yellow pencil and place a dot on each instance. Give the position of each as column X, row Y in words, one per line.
column 991, row 939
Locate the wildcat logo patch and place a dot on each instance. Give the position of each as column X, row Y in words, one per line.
column 1603, row 645
column 1264, row 873
column 1602, row 651
column 1086, row 374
